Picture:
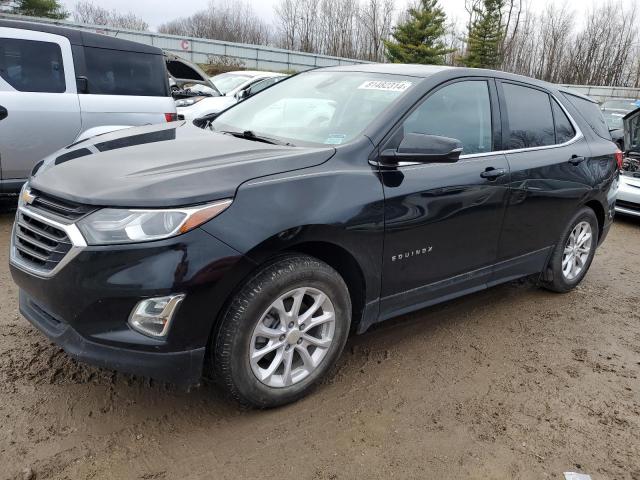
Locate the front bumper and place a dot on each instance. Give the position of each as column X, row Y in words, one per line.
column 628, row 197
column 85, row 306
column 181, row 368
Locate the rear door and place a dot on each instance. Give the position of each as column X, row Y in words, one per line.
column 551, row 174
column 124, row 88
column 442, row 220
column 39, row 109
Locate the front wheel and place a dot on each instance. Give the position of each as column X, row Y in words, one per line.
column 574, row 253
column 282, row 332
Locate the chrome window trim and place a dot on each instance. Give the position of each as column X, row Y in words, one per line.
column 577, row 137
column 78, row 244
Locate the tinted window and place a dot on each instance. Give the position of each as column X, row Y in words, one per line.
column 564, row 128
column 461, row 110
column 31, row 66
column 591, row 113
column 115, row 72
column 530, row 118
column 634, row 134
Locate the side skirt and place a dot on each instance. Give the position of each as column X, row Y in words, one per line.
column 454, row 287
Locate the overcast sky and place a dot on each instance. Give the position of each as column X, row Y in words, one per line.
column 156, row 12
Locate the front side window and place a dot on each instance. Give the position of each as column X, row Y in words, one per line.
column 261, row 85
column 116, row 72
column 530, row 117
column 316, row 108
column 32, row 66
column 461, row 111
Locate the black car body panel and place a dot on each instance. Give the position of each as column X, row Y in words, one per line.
column 403, row 236
column 176, row 164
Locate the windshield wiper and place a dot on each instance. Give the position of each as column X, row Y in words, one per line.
column 249, row 135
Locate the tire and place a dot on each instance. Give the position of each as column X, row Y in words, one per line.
column 555, row 278
column 295, row 279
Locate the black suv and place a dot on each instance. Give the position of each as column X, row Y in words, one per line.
column 332, row 201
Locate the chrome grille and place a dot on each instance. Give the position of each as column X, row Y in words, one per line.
column 39, row 244
column 60, row 208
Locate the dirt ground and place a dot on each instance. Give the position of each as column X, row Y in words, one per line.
column 513, row 382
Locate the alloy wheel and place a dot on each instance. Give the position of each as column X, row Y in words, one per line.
column 577, row 250
column 292, row 337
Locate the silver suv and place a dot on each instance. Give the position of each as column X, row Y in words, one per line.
column 59, row 85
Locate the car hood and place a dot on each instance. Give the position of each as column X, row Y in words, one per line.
column 164, row 165
column 629, row 179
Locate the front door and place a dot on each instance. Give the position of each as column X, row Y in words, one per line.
column 443, row 220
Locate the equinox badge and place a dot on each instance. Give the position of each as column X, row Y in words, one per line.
column 412, row 253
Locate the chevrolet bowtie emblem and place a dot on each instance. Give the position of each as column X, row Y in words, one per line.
column 28, row 197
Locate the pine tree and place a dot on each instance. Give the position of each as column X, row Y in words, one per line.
column 419, row 38
column 41, row 8
column 484, row 43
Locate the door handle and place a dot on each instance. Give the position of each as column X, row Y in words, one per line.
column 576, row 160
column 492, row 173
column 3, row 113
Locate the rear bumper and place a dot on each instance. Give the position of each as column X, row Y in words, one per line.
column 181, row 368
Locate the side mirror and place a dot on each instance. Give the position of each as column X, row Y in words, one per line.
column 420, row 148
column 242, row 94
column 82, row 84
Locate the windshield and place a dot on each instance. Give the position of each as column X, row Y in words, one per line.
column 225, row 82
column 317, row 108
column 614, row 120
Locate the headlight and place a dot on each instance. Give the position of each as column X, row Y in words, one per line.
column 25, row 196
column 187, row 102
column 114, row 225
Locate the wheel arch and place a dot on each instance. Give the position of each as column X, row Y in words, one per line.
column 332, row 254
column 346, row 265
column 599, row 210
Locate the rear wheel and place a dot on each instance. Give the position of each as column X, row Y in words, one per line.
column 282, row 332
column 574, row 252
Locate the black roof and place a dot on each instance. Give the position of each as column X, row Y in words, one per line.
column 80, row 37
column 424, row 71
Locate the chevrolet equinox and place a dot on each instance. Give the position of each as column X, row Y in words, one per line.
column 247, row 251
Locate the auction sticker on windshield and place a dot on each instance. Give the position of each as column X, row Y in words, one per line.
column 385, row 85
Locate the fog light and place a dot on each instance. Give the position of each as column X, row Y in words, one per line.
column 153, row 316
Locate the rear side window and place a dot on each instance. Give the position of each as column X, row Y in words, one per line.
column 591, row 113
column 116, row 72
column 564, row 128
column 32, row 66
column 461, row 110
column 530, row 117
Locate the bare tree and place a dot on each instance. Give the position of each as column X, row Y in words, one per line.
column 230, row 20
column 88, row 12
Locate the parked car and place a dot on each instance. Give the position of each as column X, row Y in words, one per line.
column 185, row 76
column 233, row 87
column 249, row 250
column 628, row 199
column 59, row 85
column 613, row 112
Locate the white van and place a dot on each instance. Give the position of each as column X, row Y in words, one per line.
column 58, row 85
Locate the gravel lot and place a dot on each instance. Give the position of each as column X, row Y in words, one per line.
column 514, row 382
